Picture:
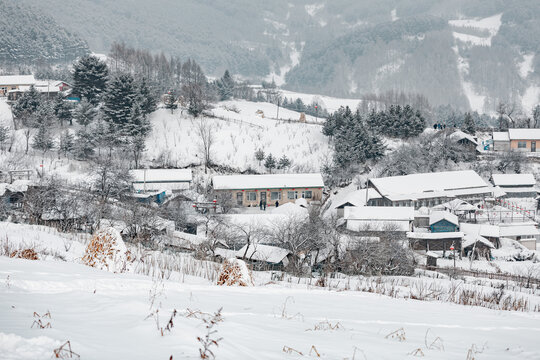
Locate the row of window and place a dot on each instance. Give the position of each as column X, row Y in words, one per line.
column 276, row 195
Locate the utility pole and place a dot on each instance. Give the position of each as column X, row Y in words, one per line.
column 316, row 112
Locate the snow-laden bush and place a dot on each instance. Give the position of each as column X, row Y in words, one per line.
column 235, row 272
column 512, row 250
column 106, row 251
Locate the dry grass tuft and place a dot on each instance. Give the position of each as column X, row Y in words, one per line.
column 235, row 272
column 289, row 350
column 326, row 325
column 398, row 335
column 28, row 254
column 65, row 352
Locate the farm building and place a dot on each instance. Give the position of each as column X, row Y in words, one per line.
column 379, row 218
column 524, row 139
column 354, row 198
column 153, row 180
column 462, row 138
column 443, row 221
column 501, row 141
column 250, row 190
column 14, row 82
column 516, row 185
column 429, row 189
column 477, row 246
column 265, row 256
column 438, row 241
column 526, row 233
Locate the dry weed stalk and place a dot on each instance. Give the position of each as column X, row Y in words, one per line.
column 284, row 314
column 65, row 352
column 417, row 352
column 398, row 334
column 314, row 350
column 436, row 344
column 473, row 351
column 208, row 341
column 41, row 324
column 326, row 325
column 289, row 350
column 28, row 254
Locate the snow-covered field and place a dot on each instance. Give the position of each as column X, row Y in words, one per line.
column 103, row 315
column 174, row 138
column 106, row 315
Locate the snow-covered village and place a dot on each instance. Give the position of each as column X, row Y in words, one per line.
column 340, row 179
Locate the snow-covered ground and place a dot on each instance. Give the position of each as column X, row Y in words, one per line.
column 104, row 316
column 238, row 136
column 490, row 24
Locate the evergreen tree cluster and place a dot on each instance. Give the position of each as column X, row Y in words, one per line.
column 397, row 121
column 313, row 109
column 355, row 143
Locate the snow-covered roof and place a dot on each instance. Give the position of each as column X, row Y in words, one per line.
column 16, row 186
column 17, row 80
column 430, row 185
column 355, row 198
column 435, row 236
column 460, row 135
column 500, row 136
column 258, row 252
column 519, row 230
column 456, row 205
column 524, row 134
column 486, row 230
column 437, row 216
column 513, row 180
column 379, row 213
column 271, row 181
column 161, row 175
column 470, row 239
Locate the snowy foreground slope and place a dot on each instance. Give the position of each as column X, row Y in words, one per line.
column 103, row 315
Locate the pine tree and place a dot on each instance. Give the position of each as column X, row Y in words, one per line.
column 468, row 124
column 89, row 78
column 119, row 98
column 27, row 104
column 147, row 98
column 170, row 101
column 85, row 145
column 84, row 113
column 43, row 139
column 67, row 142
column 284, row 163
column 259, row 155
column 270, row 163
column 226, row 86
column 137, row 146
column 63, row 111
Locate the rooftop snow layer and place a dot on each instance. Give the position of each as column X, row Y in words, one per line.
column 434, row 236
column 17, row 80
column 470, row 239
column 379, row 213
column 500, row 136
column 513, row 179
column 258, row 252
column 519, row 230
column 272, row 181
column 437, row 216
column 161, row 175
column 460, row 135
column 427, row 185
column 524, row 134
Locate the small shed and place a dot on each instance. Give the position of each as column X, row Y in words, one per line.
column 265, row 256
column 443, row 241
column 443, row 221
column 379, row 218
column 173, row 180
column 501, row 141
column 477, row 246
column 431, row 259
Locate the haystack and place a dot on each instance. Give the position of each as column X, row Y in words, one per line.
column 106, row 251
column 235, row 272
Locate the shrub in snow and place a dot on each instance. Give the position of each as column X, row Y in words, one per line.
column 235, row 272
column 106, row 251
column 28, row 254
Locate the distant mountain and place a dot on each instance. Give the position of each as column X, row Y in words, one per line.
column 469, row 53
column 28, row 37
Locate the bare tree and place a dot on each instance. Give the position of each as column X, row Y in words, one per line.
column 205, row 134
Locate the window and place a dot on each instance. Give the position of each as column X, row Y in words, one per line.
column 252, row 196
column 522, row 144
column 275, row 195
column 239, row 198
column 291, row 195
column 308, row 194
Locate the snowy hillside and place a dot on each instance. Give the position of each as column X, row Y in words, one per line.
column 239, row 133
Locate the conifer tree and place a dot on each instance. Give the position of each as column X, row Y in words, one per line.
column 270, row 163
column 63, row 111
column 226, row 86
column 468, row 124
column 284, row 163
column 84, row 113
column 67, row 142
column 147, row 97
column 259, row 155
column 119, row 99
column 89, row 78
column 27, row 104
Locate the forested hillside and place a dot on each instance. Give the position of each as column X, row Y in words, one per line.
column 471, row 54
column 29, row 37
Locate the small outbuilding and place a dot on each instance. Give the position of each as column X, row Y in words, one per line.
column 516, row 185
column 265, row 256
column 379, row 218
column 443, row 221
column 145, row 180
